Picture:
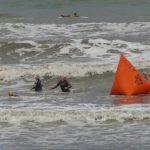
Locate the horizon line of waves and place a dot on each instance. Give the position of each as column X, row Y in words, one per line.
column 10, row 73
column 86, row 116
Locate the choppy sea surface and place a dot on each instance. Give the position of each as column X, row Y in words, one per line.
column 35, row 40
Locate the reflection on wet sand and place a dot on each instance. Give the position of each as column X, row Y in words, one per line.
column 131, row 99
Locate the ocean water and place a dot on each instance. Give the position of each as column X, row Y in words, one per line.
column 35, row 40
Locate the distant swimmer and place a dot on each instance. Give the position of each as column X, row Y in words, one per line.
column 71, row 15
column 11, row 93
column 37, row 85
column 64, row 84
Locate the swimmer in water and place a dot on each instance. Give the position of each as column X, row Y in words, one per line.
column 71, row 15
column 37, row 85
column 11, row 93
column 64, row 84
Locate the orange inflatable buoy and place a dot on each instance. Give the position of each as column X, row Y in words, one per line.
column 128, row 81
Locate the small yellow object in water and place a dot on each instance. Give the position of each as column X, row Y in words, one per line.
column 10, row 93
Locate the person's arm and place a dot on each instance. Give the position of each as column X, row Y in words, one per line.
column 69, row 85
column 56, row 85
column 33, row 86
column 64, row 15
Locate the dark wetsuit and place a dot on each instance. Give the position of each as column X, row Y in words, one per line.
column 38, row 85
column 64, row 85
column 64, row 15
column 70, row 15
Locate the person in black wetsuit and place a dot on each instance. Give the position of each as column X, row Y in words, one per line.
column 71, row 15
column 37, row 85
column 64, row 84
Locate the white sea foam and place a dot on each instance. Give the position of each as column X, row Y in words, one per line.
column 42, row 31
column 105, row 53
column 104, row 50
column 94, row 47
column 101, row 49
column 8, row 73
column 75, row 114
column 35, row 48
column 98, row 48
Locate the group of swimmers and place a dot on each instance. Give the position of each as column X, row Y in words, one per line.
column 63, row 83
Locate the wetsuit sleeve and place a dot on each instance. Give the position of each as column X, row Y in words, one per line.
column 56, row 85
column 33, row 86
column 69, row 85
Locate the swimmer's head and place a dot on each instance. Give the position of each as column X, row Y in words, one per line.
column 75, row 14
column 10, row 93
column 37, row 77
column 62, row 77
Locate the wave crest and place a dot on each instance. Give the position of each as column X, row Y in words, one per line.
column 103, row 115
column 9, row 73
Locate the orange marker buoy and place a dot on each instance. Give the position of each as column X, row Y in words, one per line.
column 128, row 81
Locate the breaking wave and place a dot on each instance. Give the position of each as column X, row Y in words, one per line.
column 82, row 115
column 9, row 73
column 78, row 30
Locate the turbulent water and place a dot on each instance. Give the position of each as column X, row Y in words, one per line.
column 35, row 40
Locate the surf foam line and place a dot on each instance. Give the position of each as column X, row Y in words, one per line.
column 40, row 31
column 101, row 49
column 10, row 73
column 91, row 115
